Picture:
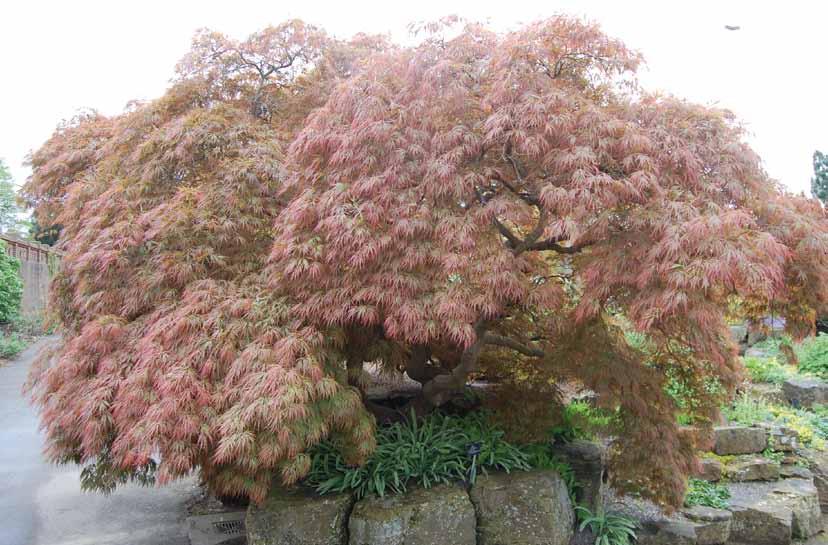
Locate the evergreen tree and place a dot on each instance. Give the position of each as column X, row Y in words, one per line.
column 819, row 183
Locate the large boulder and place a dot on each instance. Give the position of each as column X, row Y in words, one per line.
column 802, row 496
column 739, row 440
column 588, row 461
column 774, row 513
column 418, row 517
column 761, row 522
column 805, row 391
column 523, row 508
column 297, row 516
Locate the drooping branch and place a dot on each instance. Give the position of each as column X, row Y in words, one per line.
column 506, row 342
column 553, row 244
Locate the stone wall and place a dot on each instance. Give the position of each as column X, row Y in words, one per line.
column 36, row 262
column 521, row 508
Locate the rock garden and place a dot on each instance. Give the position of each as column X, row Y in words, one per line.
column 763, row 480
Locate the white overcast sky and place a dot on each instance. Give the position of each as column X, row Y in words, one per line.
column 57, row 57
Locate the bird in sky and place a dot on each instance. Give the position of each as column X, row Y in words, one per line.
column 732, row 27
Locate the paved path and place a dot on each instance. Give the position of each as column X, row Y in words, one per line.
column 41, row 504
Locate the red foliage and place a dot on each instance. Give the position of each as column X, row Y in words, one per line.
column 295, row 206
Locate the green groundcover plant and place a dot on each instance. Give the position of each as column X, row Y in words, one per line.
column 708, row 494
column 608, row 528
column 437, row 449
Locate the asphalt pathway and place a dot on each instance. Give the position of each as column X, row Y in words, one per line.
column 42, row 504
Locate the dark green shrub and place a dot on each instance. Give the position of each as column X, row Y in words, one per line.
column 11, row 286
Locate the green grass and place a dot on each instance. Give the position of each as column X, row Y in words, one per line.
column 437, row 449
column 708, row 494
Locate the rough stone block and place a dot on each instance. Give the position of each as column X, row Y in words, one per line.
column 299, row 517
column 712, row 526
column 667, row 532
column 523, row 508
column 739, row 440
column 753, row 469
column 761, row 522
column 803, row 499
column 418, row 517
column 805, row 391
column 710, row 470
column 819, row 467
column 588, row 462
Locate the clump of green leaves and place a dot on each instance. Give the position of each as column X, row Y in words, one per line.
column 708, row 494
column 767, row 370
column 438, row 449
column 608, row 528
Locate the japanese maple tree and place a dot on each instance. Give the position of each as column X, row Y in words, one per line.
column 477, row 204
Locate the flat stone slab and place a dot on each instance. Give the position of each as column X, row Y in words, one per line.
column 805, row 391
column 730, row 440
column 418, row 517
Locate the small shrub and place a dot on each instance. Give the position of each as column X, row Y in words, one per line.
column 767, row 370
column 608, row 528
column 30, row 325
column 748, row 410
column 11, row 345
column 813, row 355
column 11, row 286
column 708, row 494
